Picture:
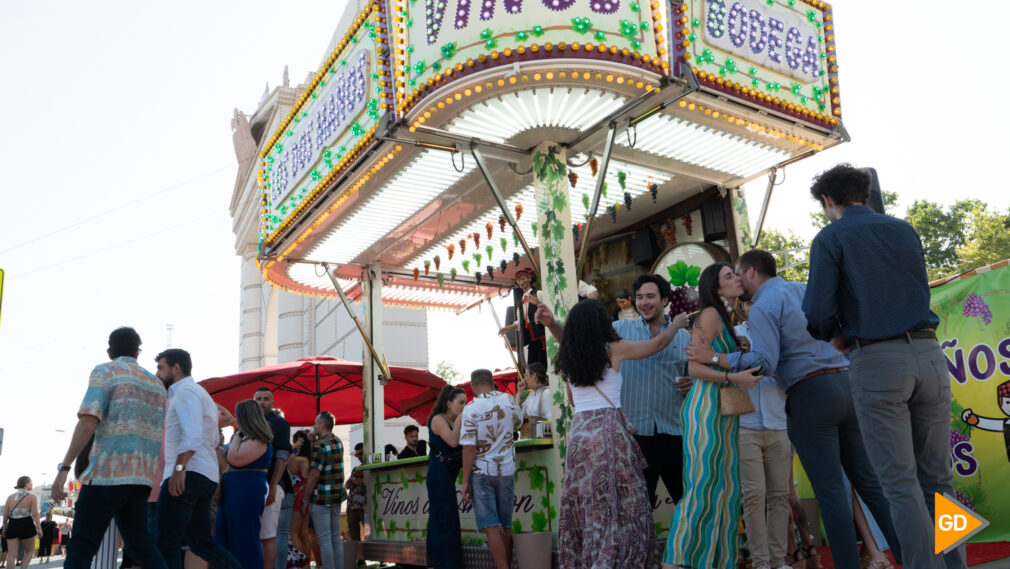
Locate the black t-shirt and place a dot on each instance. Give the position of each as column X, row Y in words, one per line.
column 422, row 450
column 282, row 442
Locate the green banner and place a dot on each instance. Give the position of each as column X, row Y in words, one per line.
column 974, row 333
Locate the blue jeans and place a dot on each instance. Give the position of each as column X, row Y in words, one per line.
column 493, row 500
column 189, row 515
column 326, row 520
column 822, row 425
column 284, row 530
column 96, row 507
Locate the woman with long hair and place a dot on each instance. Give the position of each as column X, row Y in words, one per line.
column 704, row 525
column 298, row 466
column 537, row 405
column 444, row 543
column 244, row 486
column 606, row 518
column 21, row 521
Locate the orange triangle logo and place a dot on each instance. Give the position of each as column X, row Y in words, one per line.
column 954, row 523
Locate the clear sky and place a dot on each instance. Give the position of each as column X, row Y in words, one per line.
column 118, row 171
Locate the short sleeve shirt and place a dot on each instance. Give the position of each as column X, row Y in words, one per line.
column 129, row 403
column 328, row 458
column 487, row 424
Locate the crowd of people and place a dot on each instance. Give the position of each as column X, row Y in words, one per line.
column 846, row 372
column 843, row 371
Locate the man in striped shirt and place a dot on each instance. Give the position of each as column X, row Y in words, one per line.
column 650, row 395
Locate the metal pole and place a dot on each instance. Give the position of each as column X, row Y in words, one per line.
column 503, row 206
column 601, row 179
column 508, row 346
column 764, row 205
column 381, row 362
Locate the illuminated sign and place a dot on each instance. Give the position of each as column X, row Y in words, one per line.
column 443, row 39
column 334, row 118
column 776, row 53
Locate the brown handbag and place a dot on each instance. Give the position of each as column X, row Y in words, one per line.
column 734, row 401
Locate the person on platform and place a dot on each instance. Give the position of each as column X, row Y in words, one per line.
column 868, row 295
column 355, row 503
column 625, row 305
column 704, row 525
column 652, row 392
column 606, row 517
column 275, row 526
column 244, row 486
column 489, row 466
column 324, row 490
column 414, row 446
column 537, row 403
column 122, row 416
column 21, row 521
column 191, row 476
column 820, row 417
column 444, row 542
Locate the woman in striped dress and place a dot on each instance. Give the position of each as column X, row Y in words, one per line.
column 704, row 525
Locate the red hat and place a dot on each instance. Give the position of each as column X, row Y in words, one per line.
column 524, row 272
column 1003, row 390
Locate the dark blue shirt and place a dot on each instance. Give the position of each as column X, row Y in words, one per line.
column 281, row 447
column 867, row 278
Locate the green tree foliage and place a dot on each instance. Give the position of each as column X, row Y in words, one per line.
column 988, row 238
column 965, row 236
column 780, row 244
column 448, row 372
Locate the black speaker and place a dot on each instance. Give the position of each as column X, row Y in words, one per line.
column 876, row 197
column 643, row 247
column 713, row 218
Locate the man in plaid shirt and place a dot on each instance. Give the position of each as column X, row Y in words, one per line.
column 324, row 490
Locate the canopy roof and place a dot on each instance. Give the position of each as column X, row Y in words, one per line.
column 685, row 123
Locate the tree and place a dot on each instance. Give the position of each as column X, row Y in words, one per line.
column 987, row 238
column 448, row 372
column 942, row 233
column 782, row 245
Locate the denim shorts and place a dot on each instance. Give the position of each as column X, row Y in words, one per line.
column 493, row 500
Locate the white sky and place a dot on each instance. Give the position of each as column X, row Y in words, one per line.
column 128, row 105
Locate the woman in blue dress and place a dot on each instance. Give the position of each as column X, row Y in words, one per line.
column 244, row 486
column 444, row 544
column 704, row 525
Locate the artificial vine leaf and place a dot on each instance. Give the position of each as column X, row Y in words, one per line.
column 681, row 274
column 539, row 521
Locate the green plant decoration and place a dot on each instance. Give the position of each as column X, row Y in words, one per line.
column 681, row 274
column 539, row 521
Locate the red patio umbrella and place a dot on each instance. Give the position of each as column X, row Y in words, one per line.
column 306, row 386
column 505, row 380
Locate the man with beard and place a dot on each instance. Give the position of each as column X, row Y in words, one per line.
column 650, row 395
column 275, row 524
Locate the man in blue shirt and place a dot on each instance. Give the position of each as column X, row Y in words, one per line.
column 820, row 417
column 650, row 395
column 868, row 293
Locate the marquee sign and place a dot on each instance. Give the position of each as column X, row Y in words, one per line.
column 777, row 53
column 437, row 41
column 332, row 122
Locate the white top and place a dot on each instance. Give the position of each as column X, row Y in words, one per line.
column 191, row 425
column 538, row 403
column 488, row 422
column 587, row 398
column 628, row 314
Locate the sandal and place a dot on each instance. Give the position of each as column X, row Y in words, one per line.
column 814, row 558
column 797, row 559
column 880, row 564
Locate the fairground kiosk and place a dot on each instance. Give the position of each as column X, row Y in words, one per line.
column 446, row 143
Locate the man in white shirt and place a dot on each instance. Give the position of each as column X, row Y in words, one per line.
column 489, row 462
column 191, row 468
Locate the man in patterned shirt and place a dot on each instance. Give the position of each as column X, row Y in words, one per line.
column 489, row 462
column 124, row 409
column 324, row 490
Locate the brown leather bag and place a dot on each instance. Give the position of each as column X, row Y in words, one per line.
column 734, row 400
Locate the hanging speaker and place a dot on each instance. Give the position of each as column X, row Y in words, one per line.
column 643, row 247
column 713, row 218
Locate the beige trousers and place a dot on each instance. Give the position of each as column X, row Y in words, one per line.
column 765, row 462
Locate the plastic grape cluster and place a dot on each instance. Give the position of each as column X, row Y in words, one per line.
column 975, row 306
column 681, row 302
column 957, row 437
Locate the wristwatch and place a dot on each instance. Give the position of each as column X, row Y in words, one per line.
column 180, row 467
column 62, row 467
column 715, row 359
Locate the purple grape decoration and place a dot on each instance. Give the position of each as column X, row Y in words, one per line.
column 974, row 306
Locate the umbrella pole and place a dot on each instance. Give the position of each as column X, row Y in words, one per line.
column 379, row 361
